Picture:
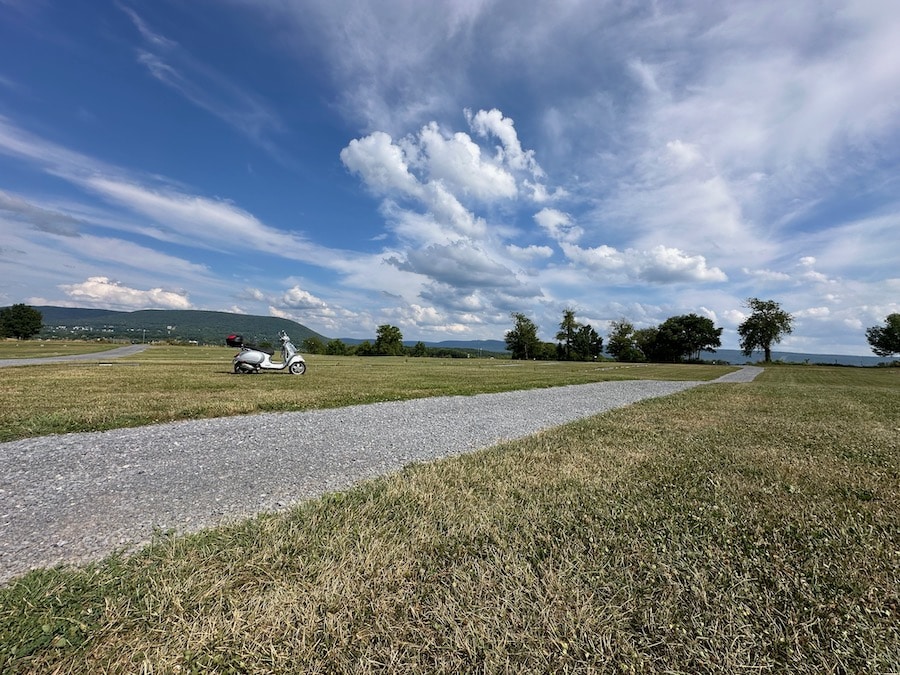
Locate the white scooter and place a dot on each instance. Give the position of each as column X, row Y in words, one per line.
column 253, row 359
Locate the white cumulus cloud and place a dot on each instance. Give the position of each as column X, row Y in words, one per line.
column 103, row 292
column 558, row 225
column 658, row 265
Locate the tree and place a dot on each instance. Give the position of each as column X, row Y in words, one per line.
column 767, row 324
column 388, row 341
column 587, row 344
column 885, row 340
column 313, row 345
column 522, row 341
column 568, row 327
column 620, row 338
column 336, row 348
column 546, row 351
column 620, row 343
column 420, row 349
column 684, row 337
column 20, row 321
column 364, row 348
column 645, row 340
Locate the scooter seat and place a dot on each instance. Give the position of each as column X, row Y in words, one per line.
column 250, row 345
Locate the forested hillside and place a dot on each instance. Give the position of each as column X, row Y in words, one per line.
column 163, row 324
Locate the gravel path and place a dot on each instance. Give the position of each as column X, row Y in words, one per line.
column 116, row 353
column 76, row 497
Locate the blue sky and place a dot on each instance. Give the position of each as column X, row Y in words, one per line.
column 439, row 165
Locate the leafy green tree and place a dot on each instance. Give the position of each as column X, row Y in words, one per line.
column 587, row 344
column 547, row 351
column 667, row 345
column 766, row 325
column 336, row 348
column 568, row 327
column 388, row 341
column 645, row 340
column 364, row 348
column 420, row 349
column 620, row 344
column 20, row 321
column 620, row 338
column 522, row 341
column 685, row 336
column 313, row 345
column 885, row 340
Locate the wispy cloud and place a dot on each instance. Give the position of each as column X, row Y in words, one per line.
column 174, row 214
column 159, row 210
column 46, row 220
column 205, row 87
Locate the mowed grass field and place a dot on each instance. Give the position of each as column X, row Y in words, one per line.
column 745, row 528
column 167, row 383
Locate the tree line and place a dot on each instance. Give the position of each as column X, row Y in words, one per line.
column 388, row 342
column 678, row 338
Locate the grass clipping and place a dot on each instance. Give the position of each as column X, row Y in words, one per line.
column 729, row 528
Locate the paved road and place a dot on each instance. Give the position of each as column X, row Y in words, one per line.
column 116, row 353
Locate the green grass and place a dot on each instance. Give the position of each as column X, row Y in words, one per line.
column 175, row 383
column 727, row 529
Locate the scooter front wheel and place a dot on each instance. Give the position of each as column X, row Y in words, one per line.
column 298, row 368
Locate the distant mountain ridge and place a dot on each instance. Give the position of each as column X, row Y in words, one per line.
column 736, row 357
column 148, row 325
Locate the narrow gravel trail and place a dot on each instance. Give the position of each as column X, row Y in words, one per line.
column 77, row 497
